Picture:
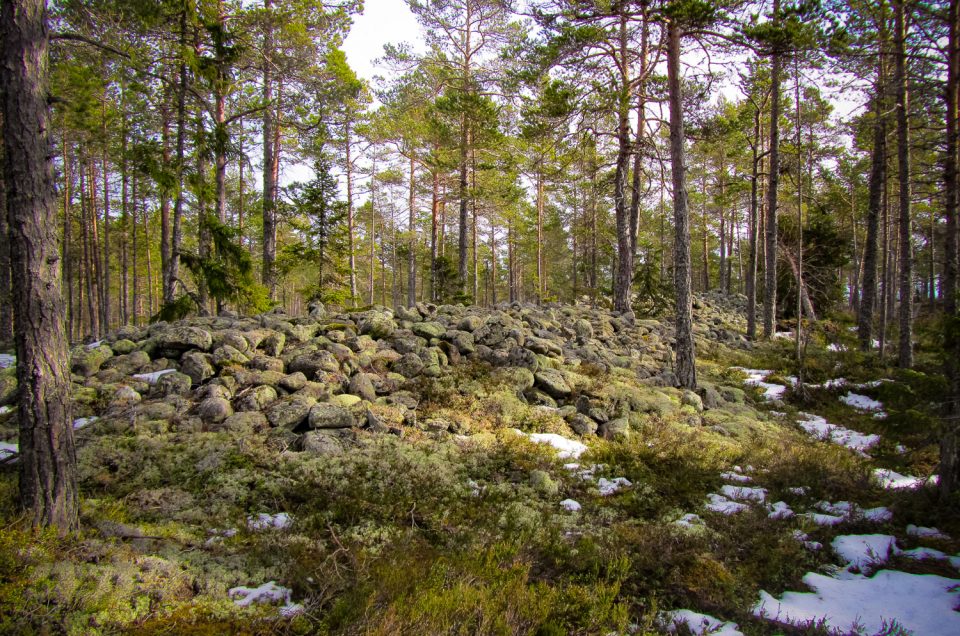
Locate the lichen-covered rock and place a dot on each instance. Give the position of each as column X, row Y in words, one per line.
column 346, row 400
column 361, row 384
column 255, row 398
column 289, row 412
column 273, row 344
column 325, row 415
column 231, row 338
column 123, row 397
column 174, row 341
column 409, row 366
column 175, row 383
column 689, row 398
column 293, row 382
column 214, row 410
column 552, row 382
column 123, row 347
column 314, row 363
column 614, row 429
column 321, row 442
column 197, row 366
column 428, row 330
column 87, row 361
column 242, row 423
column 378, row 326
column 226, row 355
column 583, row 425
column 8, row 386
column 583, row 329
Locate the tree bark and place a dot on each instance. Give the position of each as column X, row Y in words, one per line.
column 412, row 242
column 751, row 283
column 269, row 160
column 686, row 370
column 48, row 479
column 905, row 350
column 6, row 298
column 625, row 247
column 770, row 269
column 350, row 244
column 878, row 169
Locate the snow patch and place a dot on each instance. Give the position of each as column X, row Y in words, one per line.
column 269, row 592
column 699, row 624
column 893, row 480
column 864, row 403
column 7, row 360
column 863, row 550
column 611, row 486
column 8, row 449
column 689, row 520
column 719, row 503
column 80, row 422
column 744, row 493
column 756, row 377
column 151, row 378
column 94, row 345
column 264, row 521
column 5, row 409
column 925, row 533
column 570, row 505
column 804, row 538
column 780, row 510
column 568, row 448
column 738, row 477
column 921, row 603
column 819, row 427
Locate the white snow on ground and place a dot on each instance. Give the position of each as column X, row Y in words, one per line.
column 744, row 493
column 570, row 505
column 7, row 360
column 569, row 449
column 80, row 422
column 783, row 335
column 719, row 503
column 151, row 378
column 819, row 427
column 8, row 448
column 755, row 377
column 780, row 510
column 269, row 592
column 699, row 624
column 94, row 345
column 689, row 520
column 804, row 538
column 610, row 486
column 893, row 480
column 863, row 550
column 922, row 603
column 864, row 403
column 797, row 490
column 836, row 513
column 925, row 533
column 739, row 477
column 836, row 347
column 265, row 521
column 5, row 409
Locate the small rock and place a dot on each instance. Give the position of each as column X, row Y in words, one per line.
column 361, row 384
column 320, row 443
column 293, row 382
column 214, row 410
column 256, row 398
column 409, row 366
column 583, row 425
column 324, row 415
column 689, row 398
column 552, row 382
column 346, row 400
column 197, row 366
column 242, row 423
column 177, row 340
column 289, row 413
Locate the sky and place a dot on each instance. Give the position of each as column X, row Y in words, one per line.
column 382, row 22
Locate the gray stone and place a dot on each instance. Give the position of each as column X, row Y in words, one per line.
column 583, row 425
column 273, row 343
column 289, row 412
column 324, row 415
column 520, row 357
column 552, row 382
column 226, row 355
column 293, row 382
column 231, row 338
column 256, row 398
column 613, row 429
column 320, row 443
column 214, row 410
column 8, row 386
column 124, row 396
column 429, row 330
column 123, row 347
column 361, row 384
column 174, row 341
column 470, row 323
column 409, row 366
column 346, row 400
column 410, row 315
column 87, row 362
column 197, row 366
column 173, row 384
column 583, row 329
column 242, row 423
column 311, row 364
column 378, row 326
column 689, row 398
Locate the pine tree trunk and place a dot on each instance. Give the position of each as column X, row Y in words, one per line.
column 105, row 296
column 905, row 352
column 164, row 193
column 350, row 244
column 624, row 272
column 412, row 243
column 751, row 283
column 6, row 298
column 770, row 266
column 434, row 235
column 176, row 234
column 269, row 160
column 949, row 447
column 48, row 474
column 878, row 168
column 686, row 370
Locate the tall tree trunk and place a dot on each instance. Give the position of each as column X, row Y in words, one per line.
column 770, row 268
column 625, row 247
column 412, row 242
column 949, row 446
column 541, row 283
column 686, row 369
column 176, row 235
column 66, row 251
column 269, row 159
column 6, row 297
column 473, row 205
column 136, row 304
column 434, row 213
column 205, row 236
column 48, row 473
column 878, row 176
column 164, row 192
column 125, row 229
column 105, row 297
column 350, row 244
column 89, row 255
column 754, row 220
column 905, row 353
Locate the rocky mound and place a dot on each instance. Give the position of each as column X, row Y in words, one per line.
column 309, row 380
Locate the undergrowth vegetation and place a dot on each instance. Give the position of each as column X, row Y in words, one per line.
column 464, row 534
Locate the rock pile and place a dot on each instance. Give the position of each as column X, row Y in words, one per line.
column 309, row 380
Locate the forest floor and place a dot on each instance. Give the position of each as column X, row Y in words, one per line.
column 754, row 508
